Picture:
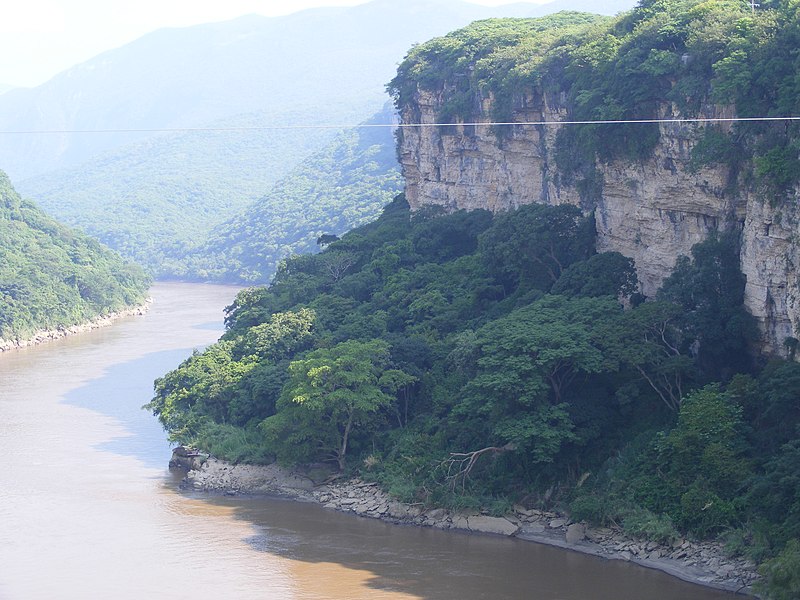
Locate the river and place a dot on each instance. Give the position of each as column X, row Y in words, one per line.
column 88, row 508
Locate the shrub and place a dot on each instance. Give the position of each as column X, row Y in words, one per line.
column 782, row 574
column 642, row 523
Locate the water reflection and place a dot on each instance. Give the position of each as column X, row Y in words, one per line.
column 432, row 564
column 131, row 380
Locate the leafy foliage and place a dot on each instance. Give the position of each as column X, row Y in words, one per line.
column 330, row 393
column 530, row 247
column 434, row 328
column 710, row 290
column 606, row 274
column 782, row 573
column 53, row 277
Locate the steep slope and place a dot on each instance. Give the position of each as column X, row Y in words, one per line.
column 655, row 189
column 53, row 277
column 148, row 196
column 340, row 187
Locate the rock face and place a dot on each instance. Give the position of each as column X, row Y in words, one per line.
column 651, row 210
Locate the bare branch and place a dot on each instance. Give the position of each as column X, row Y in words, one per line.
column 460, row 464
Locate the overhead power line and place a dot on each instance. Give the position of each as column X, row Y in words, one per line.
column 400, row 125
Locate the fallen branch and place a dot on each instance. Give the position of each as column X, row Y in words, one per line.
column 460, row 464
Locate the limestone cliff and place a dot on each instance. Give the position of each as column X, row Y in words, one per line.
column 652, row 210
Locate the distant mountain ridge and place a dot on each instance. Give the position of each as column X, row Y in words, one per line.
column 342, row 186
column 151, row 195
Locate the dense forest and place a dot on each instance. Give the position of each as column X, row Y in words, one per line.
column 52, row 276
column 418, row 336
column 154, row 200
column 473, row 360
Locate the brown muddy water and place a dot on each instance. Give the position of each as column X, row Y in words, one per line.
column 88, row 508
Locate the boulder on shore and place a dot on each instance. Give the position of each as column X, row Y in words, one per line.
column 497, row 525
column 576, row 533
column 186, row 457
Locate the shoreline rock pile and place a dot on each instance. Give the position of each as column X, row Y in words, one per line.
column 703, row 563
column 50, row 335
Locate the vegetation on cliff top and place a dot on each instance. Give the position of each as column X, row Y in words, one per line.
column 673, row 55
column 52, row 276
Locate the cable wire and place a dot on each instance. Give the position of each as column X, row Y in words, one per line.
column 403, row 125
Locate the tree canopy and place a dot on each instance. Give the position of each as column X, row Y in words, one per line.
column 52, row 276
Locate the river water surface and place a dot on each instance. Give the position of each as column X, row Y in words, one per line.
column 88, row 508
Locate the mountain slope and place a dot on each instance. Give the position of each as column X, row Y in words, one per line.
column 52, row 276
column 157, row 197
column 342, row 186
column 149, row 195
column 196, row 75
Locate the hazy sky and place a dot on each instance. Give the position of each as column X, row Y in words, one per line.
column 39, row 38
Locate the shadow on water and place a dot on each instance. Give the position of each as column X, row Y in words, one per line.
column 131, row 381
column 210, row 326
column 433, row 564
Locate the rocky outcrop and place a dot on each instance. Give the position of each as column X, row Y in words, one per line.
column 651, row 210
column 703, row 563
column 50, row 335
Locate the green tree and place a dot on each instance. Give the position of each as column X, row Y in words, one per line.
column 331, row 394
column 704, row 461
column 527, row 363
column 606, row 274
column 709, row 288
column 782, row 573
column 283, row 334
column 531, row 246
column 646, row 340
column 201, row 388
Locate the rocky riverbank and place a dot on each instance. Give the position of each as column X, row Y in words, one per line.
column 702, row 563
column 44, row 336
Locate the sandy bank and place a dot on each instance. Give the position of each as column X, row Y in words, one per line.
column 45, row 336
column 701, row 563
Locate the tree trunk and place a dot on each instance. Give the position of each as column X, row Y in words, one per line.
column 343, row 450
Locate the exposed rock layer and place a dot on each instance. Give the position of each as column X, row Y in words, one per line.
column 652, row 210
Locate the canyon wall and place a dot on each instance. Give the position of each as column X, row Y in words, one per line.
column 652, row 210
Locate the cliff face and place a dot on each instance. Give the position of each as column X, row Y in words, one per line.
column 651, row 210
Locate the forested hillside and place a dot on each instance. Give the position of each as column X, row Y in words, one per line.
column 52, row 276
column 155, row 200
column 474, row 360
column 418, row 336
column 342, row 186
column 152, row 195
